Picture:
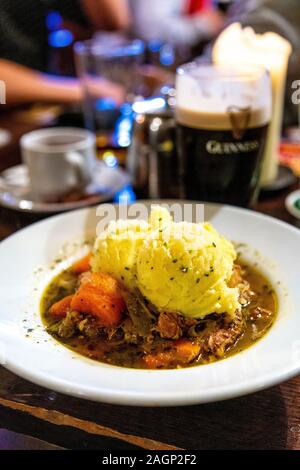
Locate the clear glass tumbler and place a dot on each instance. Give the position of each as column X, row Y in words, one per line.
column 107, row 57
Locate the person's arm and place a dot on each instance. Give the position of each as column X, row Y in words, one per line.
column 107, row 14
column 24, row 85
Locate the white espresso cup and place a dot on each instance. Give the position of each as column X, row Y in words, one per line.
column 59, row 160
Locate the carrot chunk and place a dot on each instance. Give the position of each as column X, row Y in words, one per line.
column 186, row 350
column 99, row 295
column 83, row 265
column 61, row 308
column 159, row 360
column 182, row 351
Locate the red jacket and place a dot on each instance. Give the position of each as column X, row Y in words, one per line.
column 194, row 6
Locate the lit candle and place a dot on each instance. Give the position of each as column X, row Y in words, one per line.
column 243, row 46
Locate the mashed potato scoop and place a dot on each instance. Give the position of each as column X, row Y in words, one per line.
column 180, row 267
column 116, row 250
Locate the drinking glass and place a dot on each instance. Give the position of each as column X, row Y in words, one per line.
column 111, row 57
column 222, row 116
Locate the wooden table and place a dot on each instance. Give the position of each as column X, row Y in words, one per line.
column 265, row 420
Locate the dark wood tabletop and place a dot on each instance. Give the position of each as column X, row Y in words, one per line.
column 32, row 417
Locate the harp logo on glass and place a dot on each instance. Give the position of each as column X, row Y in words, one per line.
column 2, row 92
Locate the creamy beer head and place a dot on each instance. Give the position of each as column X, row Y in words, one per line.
column 222, row 118
column 209, row 96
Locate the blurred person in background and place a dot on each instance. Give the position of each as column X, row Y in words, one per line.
column 176, row 22
column 24, row 47
column 282, row 17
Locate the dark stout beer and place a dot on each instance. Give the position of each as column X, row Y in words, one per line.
column 217, row 164
column 220, row 152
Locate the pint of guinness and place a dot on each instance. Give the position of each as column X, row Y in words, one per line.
column 222, row 119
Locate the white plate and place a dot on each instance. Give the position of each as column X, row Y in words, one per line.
column 27, row 266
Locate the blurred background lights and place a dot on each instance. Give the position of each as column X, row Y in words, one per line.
column 148, row 105
column 154, row 45
column 60, row 38
column 167, row 55
column 110, row 159
column 54, row 20
column 125, row 196
column 123, row 131
column 126, row 109
column 105, row 104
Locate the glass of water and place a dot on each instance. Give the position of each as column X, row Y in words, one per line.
column 113, row 58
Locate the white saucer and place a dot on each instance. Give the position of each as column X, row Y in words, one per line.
column 15, row 190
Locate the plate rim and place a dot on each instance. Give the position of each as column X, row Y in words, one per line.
column 154, row 399
column 257, row 214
